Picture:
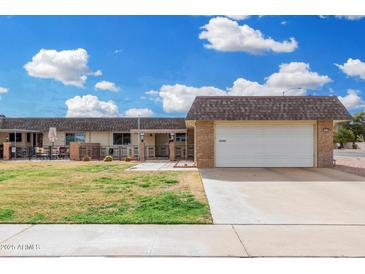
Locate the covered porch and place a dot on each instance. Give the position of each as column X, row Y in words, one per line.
column 163, row 144
column 18, row 144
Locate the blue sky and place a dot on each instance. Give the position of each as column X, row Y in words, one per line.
column 156, row 65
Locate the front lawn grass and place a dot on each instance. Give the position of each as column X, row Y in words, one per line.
column 98, row 192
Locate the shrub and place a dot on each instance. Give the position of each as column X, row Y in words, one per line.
column 86, row 158
column 127, row 159
column 108, row 158
column 343, row 135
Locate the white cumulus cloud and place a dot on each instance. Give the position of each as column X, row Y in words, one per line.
column 296, row 74
column 350, row 17
column 352, row 100
column 3, row 90
column 292, row 79
column 238, row 17
column 105, row 85
column 98, row 73
column 141, row 112
column 224, row 34
column 152, row 92
column 90, row 106
column 353, row 68
column 178, row 98
column 67, row 66
column 345, row 17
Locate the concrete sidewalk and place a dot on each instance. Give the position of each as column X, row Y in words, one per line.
column 183, row 240
column 159, row 165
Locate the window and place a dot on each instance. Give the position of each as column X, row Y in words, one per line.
column 121, row 139
column 12, row 137
column 180, row 137
column 28, row 137
column 75, row 137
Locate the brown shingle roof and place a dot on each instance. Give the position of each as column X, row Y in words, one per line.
column 91, row 124
column 267, row 108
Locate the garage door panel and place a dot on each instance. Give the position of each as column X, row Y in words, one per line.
column 264, row 146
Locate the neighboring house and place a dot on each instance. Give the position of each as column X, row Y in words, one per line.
column 222, row 131
column 108, row 132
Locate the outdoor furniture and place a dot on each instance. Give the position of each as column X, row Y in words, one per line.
column 62, row 152
column 41, row 153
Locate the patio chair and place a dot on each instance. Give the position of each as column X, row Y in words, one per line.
column 62, row 152
column 41, row 153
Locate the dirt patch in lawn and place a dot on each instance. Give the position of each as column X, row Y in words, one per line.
column 98, row 192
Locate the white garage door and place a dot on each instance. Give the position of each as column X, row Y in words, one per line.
column 264, row 146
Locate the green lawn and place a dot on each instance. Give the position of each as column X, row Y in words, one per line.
column 98, row 192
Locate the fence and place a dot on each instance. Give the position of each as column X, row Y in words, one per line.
column 156, row 152
column 117, row 152
column 40, row 153
column 184, row 152
column 152, row 152
column 97, row 152
column 162, row 151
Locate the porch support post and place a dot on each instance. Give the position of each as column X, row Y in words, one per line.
column 171, row 150
column 139, row 138
column 75, row 151
column 15, row 143
column 6, row 150
column 141, row 152
column 186, row 145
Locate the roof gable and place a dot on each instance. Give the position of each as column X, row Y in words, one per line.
column 267, row 108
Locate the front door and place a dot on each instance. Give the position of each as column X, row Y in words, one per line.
column 39, row 138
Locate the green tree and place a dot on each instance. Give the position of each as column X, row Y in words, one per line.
column 357, row 126
column 344, row 135
column 359, row 117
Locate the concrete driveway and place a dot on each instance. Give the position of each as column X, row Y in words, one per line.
column 284, row 196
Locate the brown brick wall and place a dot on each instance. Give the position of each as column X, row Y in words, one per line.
column 74, row 151
column 172, row 156
column 6, row 151
column 324, row 144
column 204, row 144
column 190, row 136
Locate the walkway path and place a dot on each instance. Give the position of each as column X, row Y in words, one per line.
column 349, row 152
column 183, row 240
column 161, row 166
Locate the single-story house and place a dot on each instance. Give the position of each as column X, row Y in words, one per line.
column 108, row 132
column 218, row 131
column 259, row 131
